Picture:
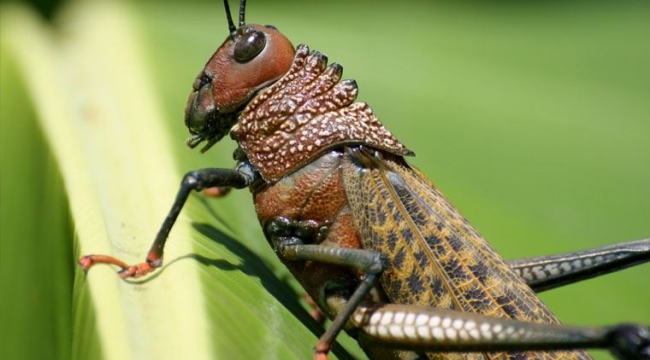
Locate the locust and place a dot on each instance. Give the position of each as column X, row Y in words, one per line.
column 370, row 238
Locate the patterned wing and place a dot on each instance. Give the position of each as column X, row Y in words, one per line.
column 437, row 258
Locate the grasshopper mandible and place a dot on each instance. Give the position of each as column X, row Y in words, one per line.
column 369, row 237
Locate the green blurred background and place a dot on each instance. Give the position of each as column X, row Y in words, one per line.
column 533, row 118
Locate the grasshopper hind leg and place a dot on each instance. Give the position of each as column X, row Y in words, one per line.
column 548, row 272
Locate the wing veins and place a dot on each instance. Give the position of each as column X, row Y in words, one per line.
column 438, row 268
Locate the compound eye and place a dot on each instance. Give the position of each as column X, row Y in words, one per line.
column 249, row 45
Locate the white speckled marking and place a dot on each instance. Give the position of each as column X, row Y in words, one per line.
column 421, row 320
column 375, row 318
column 410, row 319
column 382, row 331
column 396, row 331
column 357, row 317
column 438, row 334
column 451, row 333
column 554, row 270
column 565, row 266
column 423, row 333
column 372, row 330
column 434, row 321
column 409, row 332
column 387, row 318
column 399, row 317
column 446, row 322
column 497, row 328
column 487, row 335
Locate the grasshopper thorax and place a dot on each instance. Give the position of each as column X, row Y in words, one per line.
column 252, row 57
column 283, row 106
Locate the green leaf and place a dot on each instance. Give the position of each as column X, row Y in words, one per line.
column 36, row 262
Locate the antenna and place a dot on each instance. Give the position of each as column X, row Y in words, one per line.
column 231, row 24
column 242, row 10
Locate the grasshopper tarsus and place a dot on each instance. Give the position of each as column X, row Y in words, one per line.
column 126, row 271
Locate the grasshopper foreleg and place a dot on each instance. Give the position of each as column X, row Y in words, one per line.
column 547, row 272
column 442, row 330
column 192, row 181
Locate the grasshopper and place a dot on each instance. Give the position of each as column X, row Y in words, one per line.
column 374, row 243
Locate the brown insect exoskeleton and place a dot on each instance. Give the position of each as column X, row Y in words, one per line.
column 370, row 238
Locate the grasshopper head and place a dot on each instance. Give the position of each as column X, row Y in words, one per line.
column 251, row 58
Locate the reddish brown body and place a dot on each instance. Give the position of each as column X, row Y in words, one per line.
column 315, row 196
